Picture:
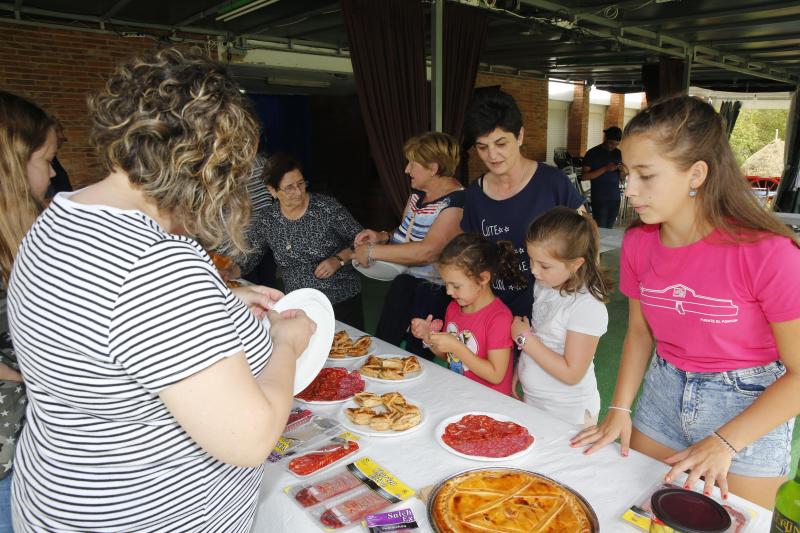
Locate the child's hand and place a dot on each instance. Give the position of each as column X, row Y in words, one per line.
column 444, row 342
column 514, row 383
column 421, row 328
column 520, row 325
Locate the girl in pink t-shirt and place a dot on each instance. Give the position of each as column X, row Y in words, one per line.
column 476, row 340
column 711, row 281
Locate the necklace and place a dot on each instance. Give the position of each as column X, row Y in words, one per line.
column 289, row 235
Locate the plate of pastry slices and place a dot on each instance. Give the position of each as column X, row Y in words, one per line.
column 382, row 415
column 391, row 368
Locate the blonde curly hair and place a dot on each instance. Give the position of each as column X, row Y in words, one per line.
column 183, row 132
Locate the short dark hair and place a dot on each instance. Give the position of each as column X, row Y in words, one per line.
column 277, row 167
column 490, row 110
column 613, row 133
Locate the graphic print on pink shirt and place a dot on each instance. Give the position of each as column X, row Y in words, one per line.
column 467, row 338
column 710, row 304
column 481, row 331
column 683, row 300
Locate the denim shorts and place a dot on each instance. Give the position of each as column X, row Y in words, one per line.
column 678, row 409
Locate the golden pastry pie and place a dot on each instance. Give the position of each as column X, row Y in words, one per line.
column 507, row 501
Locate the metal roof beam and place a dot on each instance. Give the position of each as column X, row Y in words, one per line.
column 736, row 25
column 4, row 6
column 114, row 9
column 720, row 13
column 273, row 24
column 203, row 14
column 754, row 39
column 619, row 29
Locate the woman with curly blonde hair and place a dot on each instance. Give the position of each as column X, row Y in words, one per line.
column 155, row 393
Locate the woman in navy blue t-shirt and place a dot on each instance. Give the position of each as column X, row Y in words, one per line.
column 501, row 204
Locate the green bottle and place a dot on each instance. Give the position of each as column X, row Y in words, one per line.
column 786, row 516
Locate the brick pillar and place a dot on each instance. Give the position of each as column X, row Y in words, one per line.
column 531, row 96
column 615, row 113
column 578, row 121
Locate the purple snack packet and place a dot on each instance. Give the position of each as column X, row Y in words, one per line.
column 391, row 521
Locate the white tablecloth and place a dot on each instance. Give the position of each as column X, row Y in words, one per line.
column 609, row 482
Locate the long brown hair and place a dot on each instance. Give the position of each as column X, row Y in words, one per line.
column 474, row 254
column 569, row 235
column 181, row 129
column 23, row 130
column 689, row 130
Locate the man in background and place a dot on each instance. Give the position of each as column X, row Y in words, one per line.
column 601, row 167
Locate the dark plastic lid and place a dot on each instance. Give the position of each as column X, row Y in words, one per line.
column 689, row 512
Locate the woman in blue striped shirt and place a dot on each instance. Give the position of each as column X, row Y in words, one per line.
column 432, row 217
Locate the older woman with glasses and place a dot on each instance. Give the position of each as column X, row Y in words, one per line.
column 310, row 235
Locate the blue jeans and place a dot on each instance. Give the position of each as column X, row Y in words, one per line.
column 605, row 212
column 5, row 505
column 679, row 408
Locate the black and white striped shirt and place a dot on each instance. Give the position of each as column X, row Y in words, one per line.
column 106, row 310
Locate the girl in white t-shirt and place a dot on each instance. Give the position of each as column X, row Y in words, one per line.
column 568, row 318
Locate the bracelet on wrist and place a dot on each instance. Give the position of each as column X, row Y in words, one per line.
column 725, row 442
column 339, row 258
column 370, row 260
column 620, row 409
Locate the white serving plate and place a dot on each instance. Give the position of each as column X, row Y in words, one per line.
column 382, row 270
column 318, row 308
column 410, row 376
column 366, row 430
column 439, row 431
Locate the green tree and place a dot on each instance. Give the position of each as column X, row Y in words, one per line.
column 755, row 128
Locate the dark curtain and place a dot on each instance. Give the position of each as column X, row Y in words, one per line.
column 464, row 37
column 387, row 49
column 729, row 110
column 662, row 79
column 788, row 199
column 287, row 127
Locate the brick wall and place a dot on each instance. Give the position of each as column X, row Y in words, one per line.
column 56, row 69
column 615, row 112
column 578, row 121
column 531, row 96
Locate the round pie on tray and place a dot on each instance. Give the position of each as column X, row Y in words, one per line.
column 507, row 500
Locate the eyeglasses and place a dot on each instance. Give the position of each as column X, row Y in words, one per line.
column 299, row 187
